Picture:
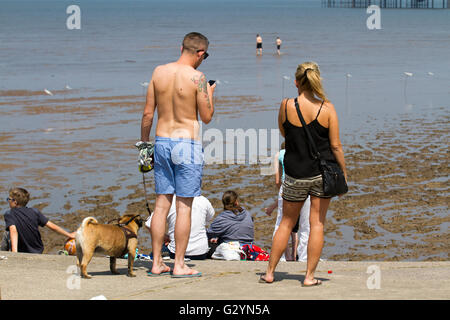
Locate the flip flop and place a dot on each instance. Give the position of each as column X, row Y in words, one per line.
column 317, row 283
column 195, row 275
column 159, row 274
column 261, row 280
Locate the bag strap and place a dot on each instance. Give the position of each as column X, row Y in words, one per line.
column 285, row 108
column 312, row 146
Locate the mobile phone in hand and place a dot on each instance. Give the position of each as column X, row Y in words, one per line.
column 211, row 82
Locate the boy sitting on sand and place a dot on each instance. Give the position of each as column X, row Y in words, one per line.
column 23, row 224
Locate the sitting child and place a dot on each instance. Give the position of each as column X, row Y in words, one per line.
column 23, row 224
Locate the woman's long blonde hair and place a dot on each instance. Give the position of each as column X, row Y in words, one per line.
column 308, row 79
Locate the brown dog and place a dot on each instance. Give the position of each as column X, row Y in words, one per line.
column 113, row 240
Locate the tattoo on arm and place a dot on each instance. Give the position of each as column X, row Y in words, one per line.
column 202, row 87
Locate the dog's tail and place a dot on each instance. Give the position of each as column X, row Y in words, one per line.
column 79, row 236
column 87, row 221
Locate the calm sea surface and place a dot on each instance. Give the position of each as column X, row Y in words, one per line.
column 120, row 42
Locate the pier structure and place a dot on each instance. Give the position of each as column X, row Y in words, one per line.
column 394, row 4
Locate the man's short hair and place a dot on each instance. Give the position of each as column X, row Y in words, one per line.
column 195, row 41
column 21, row 196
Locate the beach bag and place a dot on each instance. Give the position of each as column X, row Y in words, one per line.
column 228, row 251
column 332, row 175
column 253, row 253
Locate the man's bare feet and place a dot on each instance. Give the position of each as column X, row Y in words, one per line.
column 185, row 271
column 158, row 269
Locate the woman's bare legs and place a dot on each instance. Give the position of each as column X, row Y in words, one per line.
column 291, row 210
column 319, row 207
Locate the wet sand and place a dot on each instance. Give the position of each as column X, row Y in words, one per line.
column 396, row 209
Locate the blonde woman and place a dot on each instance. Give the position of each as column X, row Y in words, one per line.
column 302, row 173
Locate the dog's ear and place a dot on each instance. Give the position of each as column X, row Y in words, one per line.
column 139, row 221
column 123, row 219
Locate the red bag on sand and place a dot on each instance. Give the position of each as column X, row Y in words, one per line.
column 254, row 253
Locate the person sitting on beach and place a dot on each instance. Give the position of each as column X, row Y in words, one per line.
column 23, row 224
column 300, row 232
column 302, row 172
column 201, row 214
column 233, row 224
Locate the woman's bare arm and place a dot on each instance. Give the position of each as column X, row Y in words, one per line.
column 335, row 142
column 281, row 114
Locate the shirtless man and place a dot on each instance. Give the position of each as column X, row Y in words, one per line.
column 278, row 43
column 179, row 93
column 258, row 45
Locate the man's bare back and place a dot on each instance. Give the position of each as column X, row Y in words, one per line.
column 175, row 89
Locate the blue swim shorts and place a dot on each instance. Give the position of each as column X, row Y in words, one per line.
column 178, row 166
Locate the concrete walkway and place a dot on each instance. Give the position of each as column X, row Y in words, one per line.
column 28, row 276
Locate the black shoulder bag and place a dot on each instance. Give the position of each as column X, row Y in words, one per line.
column 332, row 176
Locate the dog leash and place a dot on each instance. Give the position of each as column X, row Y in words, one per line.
column 146, row 198
column 123, row 224
column 146, row 161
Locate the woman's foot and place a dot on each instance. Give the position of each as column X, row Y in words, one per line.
column 265, row 278
column 311, row 283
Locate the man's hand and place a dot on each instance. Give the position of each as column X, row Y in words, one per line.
column 146, row 150
column 211, row 88
column 141, row 145
column 204, row 97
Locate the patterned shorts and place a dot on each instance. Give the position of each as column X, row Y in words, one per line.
column 299, row 189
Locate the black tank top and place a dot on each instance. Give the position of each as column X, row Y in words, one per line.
column 298, row 160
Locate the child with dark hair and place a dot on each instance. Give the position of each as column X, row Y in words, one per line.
column 23, row 224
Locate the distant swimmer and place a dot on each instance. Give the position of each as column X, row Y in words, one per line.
column 278, row 42
column 258, row 45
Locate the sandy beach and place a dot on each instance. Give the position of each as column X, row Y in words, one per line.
column 396, row 209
